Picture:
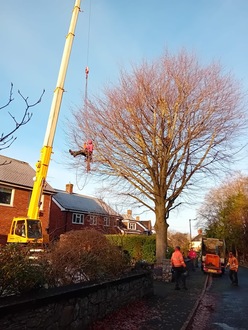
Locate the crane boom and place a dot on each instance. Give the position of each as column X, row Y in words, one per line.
column 43, row 164
column 46, row 151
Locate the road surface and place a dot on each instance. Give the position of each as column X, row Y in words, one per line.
column 224, row 306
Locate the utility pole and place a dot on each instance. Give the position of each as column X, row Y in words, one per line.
column 190, row 233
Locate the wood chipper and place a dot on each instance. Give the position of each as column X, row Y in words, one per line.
column 213, row 255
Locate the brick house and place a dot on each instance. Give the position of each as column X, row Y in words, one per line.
column 61, row 211
column 16, row 183
column 72, row 211
column 136, row 226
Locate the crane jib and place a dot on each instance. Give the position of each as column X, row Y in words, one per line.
column 46, row 151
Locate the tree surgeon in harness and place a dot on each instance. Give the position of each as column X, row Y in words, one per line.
column 86, row 151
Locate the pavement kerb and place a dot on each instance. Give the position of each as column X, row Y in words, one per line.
column 192, row 313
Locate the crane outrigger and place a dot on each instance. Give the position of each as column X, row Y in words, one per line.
column 28, row 229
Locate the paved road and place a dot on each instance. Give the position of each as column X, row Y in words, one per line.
column 224, row 306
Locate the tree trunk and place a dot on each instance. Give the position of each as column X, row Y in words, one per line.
column 161, row 234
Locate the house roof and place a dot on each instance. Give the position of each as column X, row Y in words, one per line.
column 140, row 223
column 80, row 203
column 146, row 223
column 197, row 238
column 18, row 173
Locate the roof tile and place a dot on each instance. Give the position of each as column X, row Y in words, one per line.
column 17, row 172
column 81, row 203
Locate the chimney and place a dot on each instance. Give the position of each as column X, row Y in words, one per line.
column 69, row 188
column 137, row 218
column 129, row 213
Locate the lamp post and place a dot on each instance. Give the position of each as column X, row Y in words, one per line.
column 190, row 234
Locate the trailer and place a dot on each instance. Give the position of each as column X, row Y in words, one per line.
column 213, row 255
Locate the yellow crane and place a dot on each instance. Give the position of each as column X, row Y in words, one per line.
column 28, row 229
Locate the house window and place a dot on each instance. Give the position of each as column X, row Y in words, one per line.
column 93, row 220
column 132, row 226
column 6, row 196
column 78, row 218
column 106, row 221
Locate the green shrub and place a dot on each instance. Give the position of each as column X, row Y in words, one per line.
column 139, row 247
column 84, row 255
column 18, row 273
column 169, row 252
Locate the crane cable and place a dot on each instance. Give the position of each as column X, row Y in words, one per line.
column 87, row 58
column 86, row 89
column 86, row 86
column 88, row 159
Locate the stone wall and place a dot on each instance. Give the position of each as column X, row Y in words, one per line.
column 162, row 272
column 74, row 307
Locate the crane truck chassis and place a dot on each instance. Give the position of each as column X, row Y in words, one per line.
column 28, row 229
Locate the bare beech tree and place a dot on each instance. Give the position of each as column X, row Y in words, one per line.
column 164, row 124
column 7, row 138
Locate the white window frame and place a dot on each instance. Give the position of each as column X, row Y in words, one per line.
column 132, row 226
column 93, row 220
column 77, row 218
column 106, row 221
column 11, row 192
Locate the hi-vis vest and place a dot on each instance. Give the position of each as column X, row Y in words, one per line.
column 177, row 259
column 233, row 262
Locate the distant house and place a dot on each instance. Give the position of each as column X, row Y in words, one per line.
column 72, row 211
column 196, row 242
column 16, row 183
column 136, row 226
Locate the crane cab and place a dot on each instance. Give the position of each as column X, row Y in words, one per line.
column 24, row 230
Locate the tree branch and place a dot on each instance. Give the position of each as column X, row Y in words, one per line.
column 7, row 139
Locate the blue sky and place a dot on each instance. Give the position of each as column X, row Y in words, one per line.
column 115, row 35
